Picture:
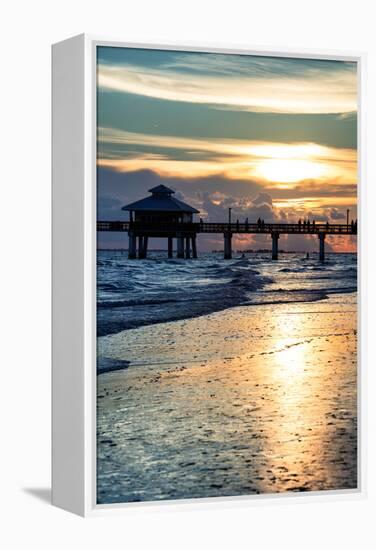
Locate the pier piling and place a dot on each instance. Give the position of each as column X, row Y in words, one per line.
column 180, row 241
column 194, row 247
column 275, row 237
column 322, row 247
column 170, row 247
column 131, row 245
column 187, row 248
column 142, row 246
column 145, row 247
column 227, row 249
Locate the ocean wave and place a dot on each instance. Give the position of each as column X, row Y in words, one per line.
column 130, row 303
column 133, row 294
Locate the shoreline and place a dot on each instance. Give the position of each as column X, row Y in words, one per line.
column 139, row 332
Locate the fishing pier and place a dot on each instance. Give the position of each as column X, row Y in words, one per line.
column 164, row 216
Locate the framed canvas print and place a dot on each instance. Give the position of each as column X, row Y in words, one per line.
column 206, row 282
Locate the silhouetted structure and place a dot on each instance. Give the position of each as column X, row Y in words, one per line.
column 161, row 215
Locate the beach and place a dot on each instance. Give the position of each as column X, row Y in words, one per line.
column 256, row 398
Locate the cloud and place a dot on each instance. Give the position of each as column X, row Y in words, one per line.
column 313, row 89
column 263, row 198
column 108, row 207
column 336, row 215
column 215, row 207
column 283, row 164
column 259, row 66
column 239, row 193
column 213, row 197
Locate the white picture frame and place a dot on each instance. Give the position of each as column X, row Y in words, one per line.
column 74, row 277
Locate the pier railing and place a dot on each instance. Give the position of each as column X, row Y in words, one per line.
column 208, row 227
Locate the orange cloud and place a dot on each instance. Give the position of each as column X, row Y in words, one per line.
column 280, row 164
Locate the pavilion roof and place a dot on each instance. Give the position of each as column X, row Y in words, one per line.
column 161, row 201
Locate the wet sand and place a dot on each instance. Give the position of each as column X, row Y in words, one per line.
column 258, row 399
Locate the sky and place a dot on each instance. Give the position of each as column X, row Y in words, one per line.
column 270, row 137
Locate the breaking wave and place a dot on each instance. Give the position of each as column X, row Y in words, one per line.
column 133, row 293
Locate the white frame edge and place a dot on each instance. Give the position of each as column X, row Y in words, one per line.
column 74, row 280
column 68, row 380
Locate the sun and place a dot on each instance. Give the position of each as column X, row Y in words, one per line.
column 289, row 170
column 289, row 163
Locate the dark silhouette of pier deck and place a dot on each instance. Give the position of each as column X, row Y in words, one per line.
column 188, row 231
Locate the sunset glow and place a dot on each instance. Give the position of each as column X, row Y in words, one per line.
column 276, row 163
column 283, row 129
column 289, row 171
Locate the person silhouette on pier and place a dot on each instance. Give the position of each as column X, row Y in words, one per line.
column 308, row 225
column 259, row 223
column 246, row 224
column 300, row 224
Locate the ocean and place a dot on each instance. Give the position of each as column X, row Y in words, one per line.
column 133, row 293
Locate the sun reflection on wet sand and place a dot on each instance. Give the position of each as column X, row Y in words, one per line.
column 248, row 400
column 291, row 449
